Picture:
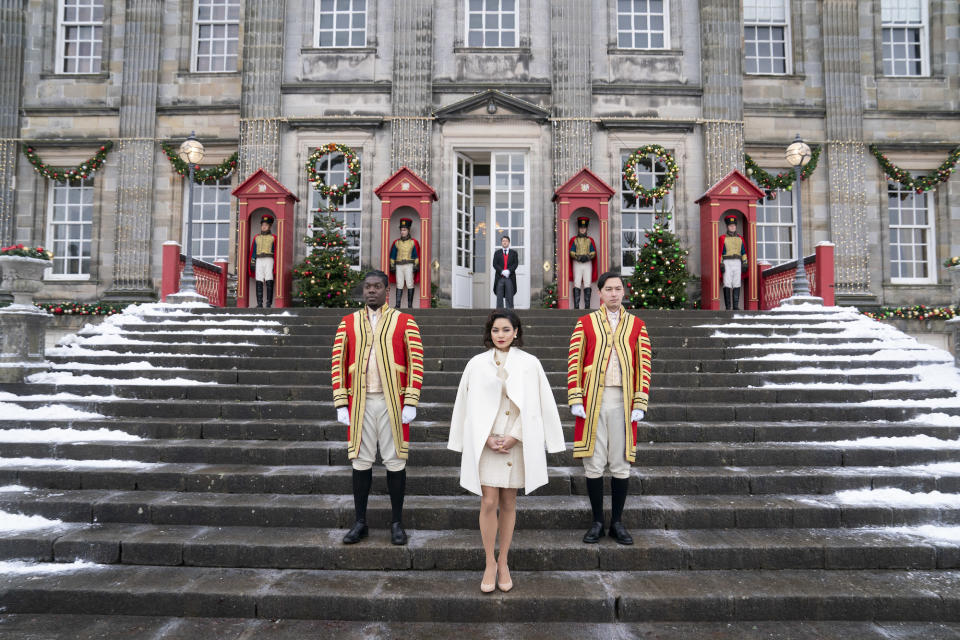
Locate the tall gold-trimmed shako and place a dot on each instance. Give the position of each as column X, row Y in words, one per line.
column 733, row 261
column 583, row 263
column 405, row 262
column 267, row 219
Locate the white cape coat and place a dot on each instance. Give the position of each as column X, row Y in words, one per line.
column 475, row 409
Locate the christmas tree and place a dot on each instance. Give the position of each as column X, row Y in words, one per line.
column 324, row 278
column 660, row 276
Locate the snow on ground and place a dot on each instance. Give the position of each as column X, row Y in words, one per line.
column 65, row 435
column 207, row 322
column 13, row 487
column 927, row 531
column 45, row 397
column 893, row 442
column 936, row 420
column 891, row 497
column 17, row 567
column 76, row 464
column 117, row 338
column 50, row 412
column 79, row 350
column 64, row 377
column 919, row 355
column 139, row 364
column 13, row 522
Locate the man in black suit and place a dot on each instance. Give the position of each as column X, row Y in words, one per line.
column 505, row 262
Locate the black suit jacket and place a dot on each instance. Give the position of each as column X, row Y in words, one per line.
column 513, row 261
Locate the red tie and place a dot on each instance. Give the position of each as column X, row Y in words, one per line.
column 504, row 258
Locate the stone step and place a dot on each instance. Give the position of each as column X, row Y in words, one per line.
column 438, row 431
column 428, row 411
column 460, row 512
column 461, row 549
column 434, row 379
column 321, row 365
column 94, row 627
column 66, row 473
column 665, row 395
column 453, row 596
column 784, row 455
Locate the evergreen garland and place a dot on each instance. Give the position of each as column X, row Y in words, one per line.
column 329, row 191
column 662, row 189
column 917, row 312
column 63, row 174
column 782, row 181
column 21, row 251
column 923, row 183
column 324, row 278
column 200, row 176
column 660, row 276
column 548, row 299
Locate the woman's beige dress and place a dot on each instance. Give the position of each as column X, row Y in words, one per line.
column 504, row 470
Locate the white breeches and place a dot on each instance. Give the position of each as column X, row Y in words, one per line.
column 405, row 276
column 264, row 270
column 610, row 446
column 731, row 273
column 377, row 431
column 582, row 274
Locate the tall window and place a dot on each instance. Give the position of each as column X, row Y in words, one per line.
column 216, row 35
column 509, row 206
column 79, row 36
column 642, row 24
column 70, row 228
column 491, row 23
column 911, row 235
column 775, row 228
column 904, row 37
column 333, row 169
column 766, row 36
column 341, row 23
column 211, row 221
column 637, row 218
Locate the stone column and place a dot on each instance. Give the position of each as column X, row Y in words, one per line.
column 143, row 22
column 412, row 88
column 846, row 151
column 571, row 87
column 721, row 35
column 12, row 13
column 261, row 77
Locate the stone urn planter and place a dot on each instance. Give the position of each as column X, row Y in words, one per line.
column 955, row 281
column 23, row 277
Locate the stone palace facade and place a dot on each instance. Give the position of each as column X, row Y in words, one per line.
column 494, row 103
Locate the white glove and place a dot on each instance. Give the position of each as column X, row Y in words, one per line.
column 505, row 273
column 409, row 414
column 636, row 415
column 343, row 415
column 578, row 410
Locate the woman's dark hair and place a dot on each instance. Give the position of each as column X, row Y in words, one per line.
column 511, row 317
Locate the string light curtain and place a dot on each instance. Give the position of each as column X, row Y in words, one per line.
column 412, row 124
column 722, row 75
column 571, row 87
column 12, row 17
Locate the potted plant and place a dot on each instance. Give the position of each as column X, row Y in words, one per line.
column 23, row 269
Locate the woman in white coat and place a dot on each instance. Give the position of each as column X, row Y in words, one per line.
column 503, row 419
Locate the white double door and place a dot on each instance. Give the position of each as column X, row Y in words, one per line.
column 477, row 229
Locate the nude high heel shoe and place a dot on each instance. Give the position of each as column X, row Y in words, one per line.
column 504, row 586
column 489, row 587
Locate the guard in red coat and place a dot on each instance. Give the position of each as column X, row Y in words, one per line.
column 733, row 257
column 263, row 264
column 583, row 263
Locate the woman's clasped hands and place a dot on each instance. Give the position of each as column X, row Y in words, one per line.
column 501, row 444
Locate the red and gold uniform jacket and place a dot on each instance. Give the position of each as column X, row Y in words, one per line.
column 590, row 347
column 265, row 245
column 400, row 363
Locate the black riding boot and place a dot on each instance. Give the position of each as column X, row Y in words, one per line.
column 362, row 481
column 269, row 293
column 586, row 297
column 726, row 297
column 399, row 296
column 576, row 298
column 410, row 298
column 619, row 488
column 397, row 486
column 736, row 298
column 595, row 491
column 259, row 295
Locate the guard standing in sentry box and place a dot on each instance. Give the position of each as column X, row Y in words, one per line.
column 377, row 373
column 583, row 263
column 263, row 254
column 608, row 387
column 733, row 257
column 405, row 262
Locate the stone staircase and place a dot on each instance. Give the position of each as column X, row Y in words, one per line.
column 213, row 491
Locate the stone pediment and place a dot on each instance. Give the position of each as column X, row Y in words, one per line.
column 492, row 105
